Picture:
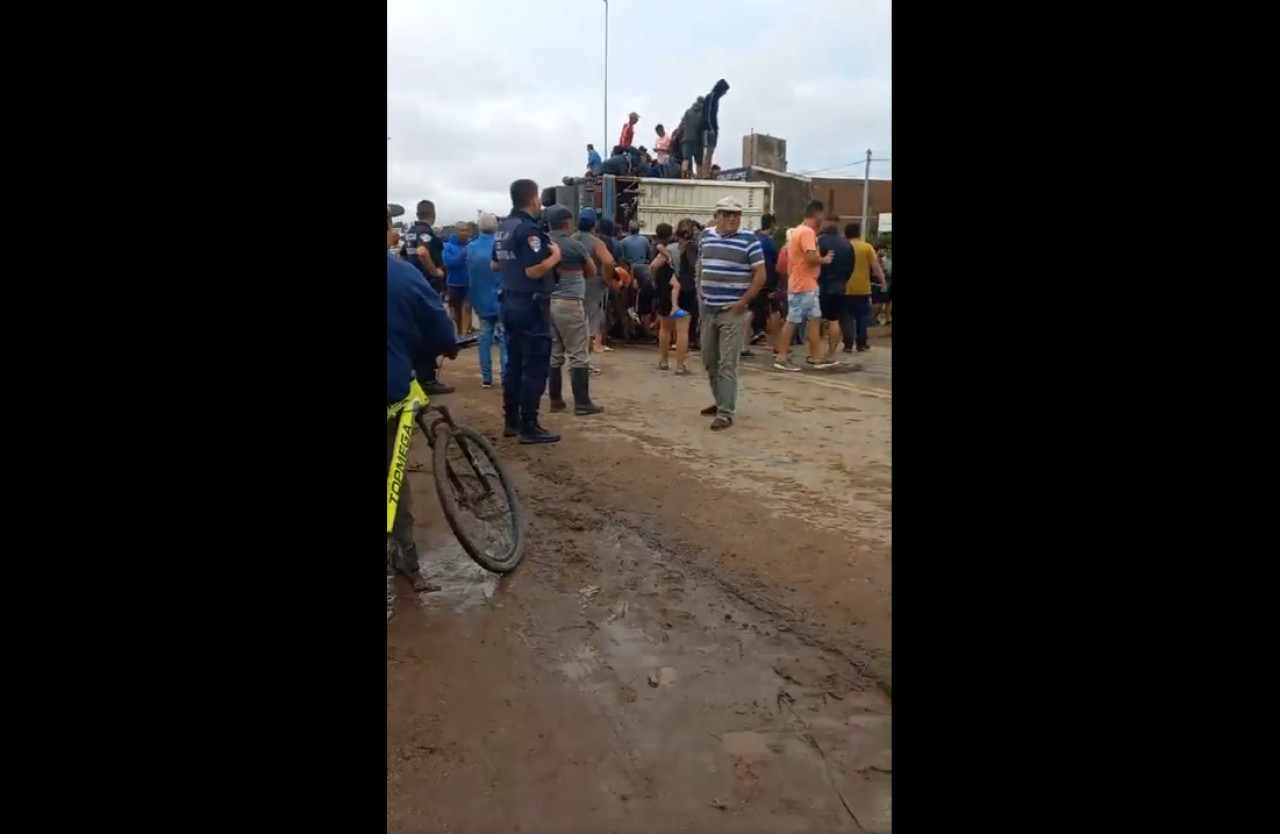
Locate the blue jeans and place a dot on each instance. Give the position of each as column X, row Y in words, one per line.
column 491, row 330
column 857, row 314
column 526, row 317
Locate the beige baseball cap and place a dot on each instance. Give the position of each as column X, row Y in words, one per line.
column 728, row 204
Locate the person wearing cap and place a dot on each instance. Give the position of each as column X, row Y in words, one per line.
column 482, row 289
column 568, row 315
column 526, row 259
column 730, row 274
column 418, row 330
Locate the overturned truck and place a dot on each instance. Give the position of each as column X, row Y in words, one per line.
column 650, row 201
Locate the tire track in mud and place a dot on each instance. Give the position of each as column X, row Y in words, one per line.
column 551, row 494
column 684, row 686
column 594, row 556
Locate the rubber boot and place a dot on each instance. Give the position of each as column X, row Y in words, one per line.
column 580, row 379
column 531, row 432
column 555, row 389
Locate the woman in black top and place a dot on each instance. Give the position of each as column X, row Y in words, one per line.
column 676, row 297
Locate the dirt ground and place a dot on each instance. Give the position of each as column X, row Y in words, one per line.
column 698, row 638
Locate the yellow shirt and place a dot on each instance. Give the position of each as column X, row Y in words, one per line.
column 863, row 254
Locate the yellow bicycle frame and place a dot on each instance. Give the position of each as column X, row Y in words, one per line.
column 408, row 409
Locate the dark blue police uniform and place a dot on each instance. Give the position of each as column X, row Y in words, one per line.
column 526, row 315
column 421, row 234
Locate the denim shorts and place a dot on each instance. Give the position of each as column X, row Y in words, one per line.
column 801, row 306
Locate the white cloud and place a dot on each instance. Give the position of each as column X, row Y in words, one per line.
column 481, row 94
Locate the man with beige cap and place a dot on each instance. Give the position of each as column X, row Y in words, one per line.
column 730, row 273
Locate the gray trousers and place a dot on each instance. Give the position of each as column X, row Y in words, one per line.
column 721, row 332
column 568, row 332
column 402, row 528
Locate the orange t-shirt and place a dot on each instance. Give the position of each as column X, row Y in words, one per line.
column 803, row 276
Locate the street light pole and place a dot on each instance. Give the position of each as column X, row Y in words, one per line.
column 866, row 196
column 605, row 146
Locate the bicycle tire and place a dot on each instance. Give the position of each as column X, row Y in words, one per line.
column 445, row 437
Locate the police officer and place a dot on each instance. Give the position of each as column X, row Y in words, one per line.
column 423, row 247
column 527, row 259
column 418, row 330
column 424, row 250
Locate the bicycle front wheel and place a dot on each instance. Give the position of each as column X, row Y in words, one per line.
column 477, row 497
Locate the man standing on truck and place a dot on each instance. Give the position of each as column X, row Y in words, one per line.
column 711, row 125
column 663, row 146
column 628, row 135
column 691, row 136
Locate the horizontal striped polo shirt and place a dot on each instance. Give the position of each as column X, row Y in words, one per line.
column 725, row 264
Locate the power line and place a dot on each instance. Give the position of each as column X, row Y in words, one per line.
column 838, row 167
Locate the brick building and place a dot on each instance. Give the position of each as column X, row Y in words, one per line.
column 843, row 198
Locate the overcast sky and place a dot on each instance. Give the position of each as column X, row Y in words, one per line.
column 482, row 93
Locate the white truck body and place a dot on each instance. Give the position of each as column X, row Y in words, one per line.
column 670, row 201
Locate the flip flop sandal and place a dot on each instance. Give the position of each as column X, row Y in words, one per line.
column 682, row 371
column 721, row 423
column 662, row 366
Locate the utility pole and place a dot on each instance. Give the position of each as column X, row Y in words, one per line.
column 605, row 146
column 866, row 199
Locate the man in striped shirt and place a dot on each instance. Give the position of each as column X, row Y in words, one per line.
column 730, row 273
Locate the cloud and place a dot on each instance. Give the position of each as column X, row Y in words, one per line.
column 481, row 94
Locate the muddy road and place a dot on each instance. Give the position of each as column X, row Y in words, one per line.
column 698, row 638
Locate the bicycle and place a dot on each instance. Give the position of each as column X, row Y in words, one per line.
column 452, row 482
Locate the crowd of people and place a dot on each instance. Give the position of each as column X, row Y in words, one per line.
column 686, row 151
column 550, row 290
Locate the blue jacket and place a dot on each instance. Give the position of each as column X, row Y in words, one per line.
column 455, row 260
column 418, row 328
column 483, row 292
column 770, row 251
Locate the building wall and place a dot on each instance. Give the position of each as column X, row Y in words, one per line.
column 843, row 198
column 761, row 150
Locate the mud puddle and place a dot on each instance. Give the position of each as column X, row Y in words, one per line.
column 714, row 704
column 463, row 583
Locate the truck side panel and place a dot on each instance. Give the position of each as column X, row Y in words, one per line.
column 670, row 201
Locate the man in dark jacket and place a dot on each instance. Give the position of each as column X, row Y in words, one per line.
column 760, row 304
column 418, row 330
column 832, row 279
column 690, row 137
column 711, row 125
